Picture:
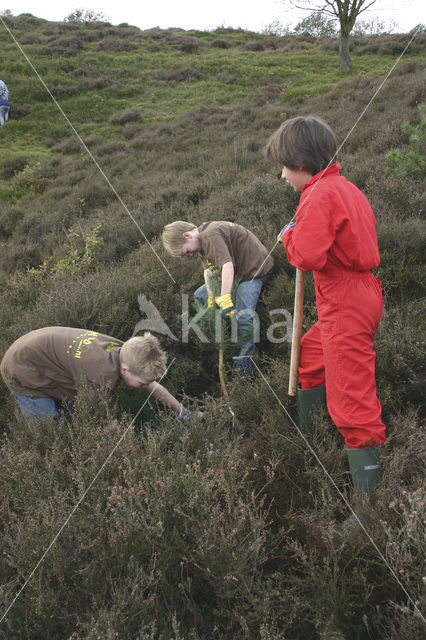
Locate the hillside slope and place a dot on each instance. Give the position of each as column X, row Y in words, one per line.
column 216, row 530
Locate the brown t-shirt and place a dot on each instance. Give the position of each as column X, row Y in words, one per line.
column 51, row 361
column 223, row 242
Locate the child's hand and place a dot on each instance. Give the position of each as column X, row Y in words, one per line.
column 284, row 229
column 225, row 304
column 185, row 414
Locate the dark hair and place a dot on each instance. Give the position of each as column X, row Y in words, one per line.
column 303, row 142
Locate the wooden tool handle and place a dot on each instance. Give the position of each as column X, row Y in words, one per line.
column 297, row 332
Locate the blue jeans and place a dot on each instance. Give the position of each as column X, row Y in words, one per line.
column 246, row 296
column 34, row 408
column 4, row 114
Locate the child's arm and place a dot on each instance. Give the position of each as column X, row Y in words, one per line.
column 160, row 393
column 308, row 242
column 224, row 301
column 227, row 278
column 208, row 283
column 209, row 287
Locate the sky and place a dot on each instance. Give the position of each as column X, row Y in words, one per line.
column 207, row 15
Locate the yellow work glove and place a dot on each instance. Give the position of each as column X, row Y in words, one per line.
column 210, row 302
column 225, row 304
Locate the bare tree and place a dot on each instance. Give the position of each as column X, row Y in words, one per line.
column 345, row 11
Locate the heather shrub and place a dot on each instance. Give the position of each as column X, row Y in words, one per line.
column 125, row 542
column 30, row 39
column 12, row 165
column 81, row 256
column 231, row 527
column 401, row 243
column 60, row 90
column 31, row 180
column 17, row 257
column 178, row 75
column 296, row 44
column 92, row 191
column 98, row 82
column 225, row 76
column 63, row 46
column 155, row 47
column 221, row 43
column 330, row 44
column 131, row 131
column 386, row 44
column 255, row 45
column 70, row 145
column 116, row 44
column 92, row 141
column 400, row 357
column 10, row 215
column 271, row 43
column 19, row 110
column 128, row 115
column 116, row 146
column 192, row 46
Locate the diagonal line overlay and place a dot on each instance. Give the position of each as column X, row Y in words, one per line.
column 265, row 380
column 382, row 557
column 80, row 500
column 345, row 140
column 107, row 180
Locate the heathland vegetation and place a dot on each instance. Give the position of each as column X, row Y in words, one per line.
column 223, row 529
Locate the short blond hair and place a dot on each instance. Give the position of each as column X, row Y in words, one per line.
column 144, row 357
column 173, row 239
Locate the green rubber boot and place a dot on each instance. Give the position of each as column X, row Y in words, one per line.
column 364, row 465
column 309, row 405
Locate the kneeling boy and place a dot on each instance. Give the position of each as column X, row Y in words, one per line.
column 45, row 366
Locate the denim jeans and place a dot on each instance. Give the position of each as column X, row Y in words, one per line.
column 34, row 408
column 246, row 296
column 4, row 114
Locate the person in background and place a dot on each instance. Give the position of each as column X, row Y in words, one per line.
column 4, row 103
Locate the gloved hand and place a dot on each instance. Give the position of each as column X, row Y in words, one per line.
column 210, row 302
column 284, row 229
column 225, row 304
column 186, row 414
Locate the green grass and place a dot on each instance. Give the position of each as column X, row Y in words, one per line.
column 132, row 76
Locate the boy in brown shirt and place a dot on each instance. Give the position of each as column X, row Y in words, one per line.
column 47, row 364
column 232, row 253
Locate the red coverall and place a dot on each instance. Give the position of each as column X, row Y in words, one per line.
column 335, row 238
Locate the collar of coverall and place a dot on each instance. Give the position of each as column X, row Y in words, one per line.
column 331, row 170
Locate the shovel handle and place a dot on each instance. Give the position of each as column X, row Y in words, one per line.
column 297, row 332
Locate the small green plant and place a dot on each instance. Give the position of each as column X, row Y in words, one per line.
column 32, row 178
column 80, row 257
column 38, row 273
column 26, row 180
column 413, row 162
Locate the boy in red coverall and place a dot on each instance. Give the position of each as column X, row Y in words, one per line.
column 334, row 237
